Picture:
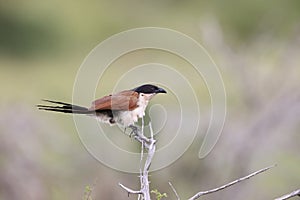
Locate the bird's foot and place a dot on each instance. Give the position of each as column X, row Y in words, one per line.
column 137, row 134
column 134, row 130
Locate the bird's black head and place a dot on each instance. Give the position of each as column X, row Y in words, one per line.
column 149, row 89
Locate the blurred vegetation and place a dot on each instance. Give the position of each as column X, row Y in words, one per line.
column 256, row 45
column 34, row 28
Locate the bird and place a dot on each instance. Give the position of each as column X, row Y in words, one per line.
column 123, row 108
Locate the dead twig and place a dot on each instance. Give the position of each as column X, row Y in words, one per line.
column 202, row 193
column 130, row 191
column 290, row 195
column 149, row 144
column 174, row 190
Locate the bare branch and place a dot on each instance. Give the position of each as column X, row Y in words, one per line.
column 142, row 139
column 290, row 195
column 145, row 178
column 149, row 144
column 199, row 194
column 141, row 160
column 174, row 190
column 130, row 191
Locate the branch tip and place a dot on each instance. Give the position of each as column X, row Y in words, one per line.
column 202, row 193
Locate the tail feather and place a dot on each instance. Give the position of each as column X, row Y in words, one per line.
column 64, row 107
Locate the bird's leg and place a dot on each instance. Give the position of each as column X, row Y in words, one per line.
column 134, row 130
column 136, row 133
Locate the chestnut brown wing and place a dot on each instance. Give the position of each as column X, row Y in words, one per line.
column 126, row 100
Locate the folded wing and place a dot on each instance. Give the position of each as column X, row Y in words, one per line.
column 125, row 100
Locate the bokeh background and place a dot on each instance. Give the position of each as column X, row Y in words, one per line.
column 256, row 45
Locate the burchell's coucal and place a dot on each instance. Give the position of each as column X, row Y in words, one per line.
column 123, row 108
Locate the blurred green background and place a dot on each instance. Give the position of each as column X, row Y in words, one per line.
column 256, row 45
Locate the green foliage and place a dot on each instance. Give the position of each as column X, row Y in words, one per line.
column 37, row 29
column 23, row 37
column 87, row 193
column 159, row 195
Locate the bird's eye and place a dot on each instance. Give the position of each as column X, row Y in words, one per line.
column 142, row 95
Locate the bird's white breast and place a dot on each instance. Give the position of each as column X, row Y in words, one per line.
column 127, row 118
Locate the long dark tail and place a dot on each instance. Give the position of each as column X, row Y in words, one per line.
column 64, row 108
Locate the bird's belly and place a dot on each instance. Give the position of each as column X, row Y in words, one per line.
column 104, row 118
column 127, row 118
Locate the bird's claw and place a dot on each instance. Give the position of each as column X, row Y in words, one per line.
column 134, row 131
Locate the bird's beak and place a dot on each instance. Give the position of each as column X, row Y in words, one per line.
column 160, row 90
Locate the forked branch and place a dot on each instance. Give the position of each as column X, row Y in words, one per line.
column 149, row 144
column 144, row 192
